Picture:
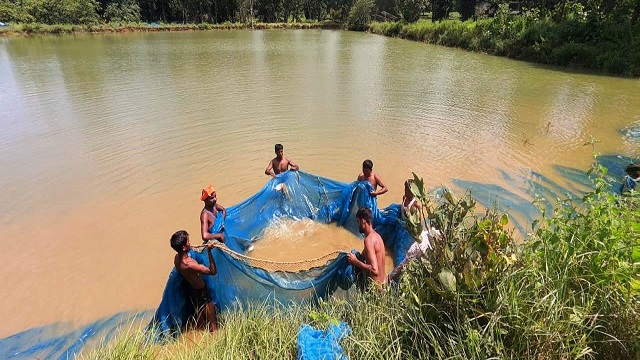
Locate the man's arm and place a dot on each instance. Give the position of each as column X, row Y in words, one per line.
column 370, row 255
column 221, row 208
column 382, row 185
column 269, row 170
column 201, row 269
column 293, row 165
column 204, row 229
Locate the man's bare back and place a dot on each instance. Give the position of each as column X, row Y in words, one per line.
column 191, row 271
column 371, row 179
column 185, row 267
column 374, row 251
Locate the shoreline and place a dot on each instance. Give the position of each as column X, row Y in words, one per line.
column 31, row 29
column 609, row 58
column 543, row 42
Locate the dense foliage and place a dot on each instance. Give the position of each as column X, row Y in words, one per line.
column 197, row 11
column 570, row 290
column 576, row 41
column 360, row 15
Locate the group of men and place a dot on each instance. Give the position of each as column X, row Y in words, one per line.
column 371, row 261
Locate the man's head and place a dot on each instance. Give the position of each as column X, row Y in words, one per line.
column 364, row 218
column 367, row 167
column 180, row 241
column 279, row 151
column 633, row 170
column 209, row 195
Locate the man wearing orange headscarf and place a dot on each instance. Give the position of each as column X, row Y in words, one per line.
column 209, row 214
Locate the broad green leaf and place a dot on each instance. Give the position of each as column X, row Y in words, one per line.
column 448, row 280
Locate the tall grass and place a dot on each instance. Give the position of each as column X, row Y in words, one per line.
column 571, row 290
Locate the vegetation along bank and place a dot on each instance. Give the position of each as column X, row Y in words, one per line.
column 593, row 35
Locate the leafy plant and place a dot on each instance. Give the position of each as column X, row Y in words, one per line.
column 360, row 15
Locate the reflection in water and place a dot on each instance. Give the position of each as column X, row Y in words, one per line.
column 107, row 140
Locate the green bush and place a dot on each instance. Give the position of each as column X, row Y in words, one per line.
column 360, row 15
column 14, row 12
column 411, row 9
column 122, row 11
column 59, row 11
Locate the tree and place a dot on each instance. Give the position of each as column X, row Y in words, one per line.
column 467, row 9
column 62, row 11
column 440, row 9
column 410, row 10
column 360, row 15
column 122, row 11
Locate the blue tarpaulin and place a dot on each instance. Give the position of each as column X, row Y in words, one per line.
column 322, row 344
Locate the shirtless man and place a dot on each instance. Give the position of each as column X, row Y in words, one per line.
column 373, row 252
column 373, row 178
column 191, row 271
column 279, row 164
column 208, row 215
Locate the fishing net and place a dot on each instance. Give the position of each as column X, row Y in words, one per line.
column 242, row 279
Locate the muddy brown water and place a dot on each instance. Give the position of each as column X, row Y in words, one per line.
column 106, row 141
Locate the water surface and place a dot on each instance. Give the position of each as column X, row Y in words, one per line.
column 106, row 141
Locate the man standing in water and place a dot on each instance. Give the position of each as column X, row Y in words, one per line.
column 373, row 178
column 279, row 164
column 373, row 264
column 191, row 271
column 208, row 215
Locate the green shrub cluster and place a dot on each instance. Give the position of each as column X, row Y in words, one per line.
column 49, row 11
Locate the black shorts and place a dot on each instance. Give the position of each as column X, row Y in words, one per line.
column 199, row 297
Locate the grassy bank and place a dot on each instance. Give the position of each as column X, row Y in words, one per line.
column 571, row 290
column 606, row 47
column 44, row 29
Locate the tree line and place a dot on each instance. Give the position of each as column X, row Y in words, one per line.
column 219, row 11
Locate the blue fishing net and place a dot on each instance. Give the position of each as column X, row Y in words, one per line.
column 240, row 280
column 64, row 340
column 316, row 344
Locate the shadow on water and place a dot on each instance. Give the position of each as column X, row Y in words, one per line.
column 543, row 192
column 62, row 340
column 576, row 71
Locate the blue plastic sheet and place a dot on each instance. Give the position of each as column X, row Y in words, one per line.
column 64, row 341
column 295, row 195
column 322, row 344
